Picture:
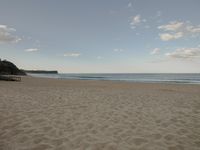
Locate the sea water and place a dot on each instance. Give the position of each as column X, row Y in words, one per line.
column 191, row 78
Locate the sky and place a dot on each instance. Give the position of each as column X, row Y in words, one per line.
column 102, row 36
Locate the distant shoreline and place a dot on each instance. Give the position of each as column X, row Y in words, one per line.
column 42, row 71
column 138, row 78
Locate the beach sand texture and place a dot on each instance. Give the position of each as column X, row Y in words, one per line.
column 53, row 114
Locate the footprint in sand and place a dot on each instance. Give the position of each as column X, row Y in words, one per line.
column 41, row 147
column 137, row 141
column 39, row 121
column 156, row 136
column 169, row 137
column 16, row 132
column 176, row 147
column 103, row 146
column 182, row 131
column 41, row 139
column 197, row 143
column 47, row 128
column 23, row 139
column 58, row 142
column 165, row 124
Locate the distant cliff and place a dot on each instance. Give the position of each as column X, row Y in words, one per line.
column 8, row 68
column 41, row 71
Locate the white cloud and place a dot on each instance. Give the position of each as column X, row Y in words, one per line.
column 32, row 50
column 72, row 54
column 172, row 26
column 99, row 57
column 136, row 20
column 147, row 26
column 170, row 36
column 6, row 36
column 178, row 30
column 112, row 12
column 137, row 34
column 29, row 38
column 158, row 14
column 118, row 50
column 185, row 53
column 130, row 5
column 37, row 41
column 144, row 20
column 155, row 51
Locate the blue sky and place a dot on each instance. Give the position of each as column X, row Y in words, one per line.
column 124, row 36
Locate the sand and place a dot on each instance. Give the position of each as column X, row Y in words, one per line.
column 53, row 114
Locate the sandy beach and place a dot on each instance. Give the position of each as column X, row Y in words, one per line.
column 55, row 114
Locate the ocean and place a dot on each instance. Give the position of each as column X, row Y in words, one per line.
column 186, row 78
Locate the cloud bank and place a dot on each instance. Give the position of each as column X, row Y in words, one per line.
column 72, row 54
column 32, row 50
column 176, row 30
column 170, row 36
column 6, row 35
column 118, row 50
column 185, row 53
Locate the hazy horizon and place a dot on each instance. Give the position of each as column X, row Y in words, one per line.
column 125, row 36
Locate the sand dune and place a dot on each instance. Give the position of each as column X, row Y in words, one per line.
column 51, row 114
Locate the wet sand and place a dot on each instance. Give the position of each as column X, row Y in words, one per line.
column 53, row 114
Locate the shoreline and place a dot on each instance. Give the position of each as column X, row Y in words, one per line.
column 126, row 81
column 54, row 114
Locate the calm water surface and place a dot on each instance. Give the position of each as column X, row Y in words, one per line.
column 130, row 77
